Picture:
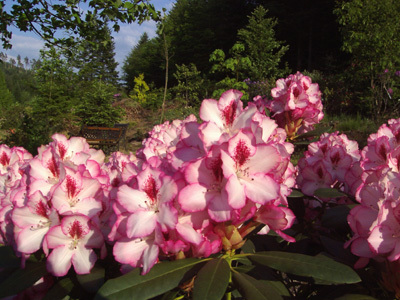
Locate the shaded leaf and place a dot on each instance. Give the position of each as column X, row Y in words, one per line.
column 161, row 278
column 336, row 217
column 251, row 288
column 322, row 268
column 212, row 280
column 355, row 297
column 60, row 290
column 93, row 281
column 22, row 279
column 8, row 258
column 328, row 193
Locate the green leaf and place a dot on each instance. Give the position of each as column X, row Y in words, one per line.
column 8, row 258
column 355, row 297
column 296, row 194
column 251, row 288
column 336, row 217
column 22, row 279
column 161, row 278
column 328, row 193
column 212, row 280
column 322, row 268
column 312, row 133
column 60, row 290
column 93, row 281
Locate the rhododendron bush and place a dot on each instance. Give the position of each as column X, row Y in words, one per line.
column 206, row 209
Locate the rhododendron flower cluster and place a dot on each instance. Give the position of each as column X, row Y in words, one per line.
column 328, row 163
column 193, row 189
column 196, row 189
column 54, row 202
column 296, row 104
column 376, row 221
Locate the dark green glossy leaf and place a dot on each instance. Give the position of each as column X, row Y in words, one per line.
column 8, row 258
column 355, row 297
column 328, row 193
column 60, row 290
column 322, row 268
column 336, row 217
column 296, row 194
column 161, row 278
column 22, row 279
column 251, row 288
column 212, row 280
column 93, row 281
column 316, row 132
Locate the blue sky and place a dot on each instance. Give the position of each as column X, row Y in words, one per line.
column 28, row 44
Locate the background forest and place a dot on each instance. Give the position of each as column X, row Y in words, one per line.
column 350, row 48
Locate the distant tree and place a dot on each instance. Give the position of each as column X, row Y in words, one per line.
column 370, row 32
column 6, row 98
column 95, row 59
column 144, row 58
column 262, row 48
column 45, row 18
column 198, row 27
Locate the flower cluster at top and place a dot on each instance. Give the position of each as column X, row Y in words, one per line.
column 296, row 104
column 192, row 190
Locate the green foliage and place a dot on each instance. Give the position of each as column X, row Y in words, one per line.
column 370, row 30
column 95, row 59
column 6, row 99
column 46, row 18
column 264, row 51
column 189, row 83
column 140, row 90
column 95, row 105
column 145, row 58
column 237, row 66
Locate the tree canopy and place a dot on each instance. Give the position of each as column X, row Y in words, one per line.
column 79, row 18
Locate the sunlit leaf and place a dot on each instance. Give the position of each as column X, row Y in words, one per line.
column 322, row 268
column 251, row 288
column 161, row 278
column 212, row 280
column 296, row 194
column 22, row 279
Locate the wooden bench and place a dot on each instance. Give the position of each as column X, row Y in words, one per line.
column 104, row 138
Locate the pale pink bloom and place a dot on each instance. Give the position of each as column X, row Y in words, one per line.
column 77, row 194
column 206, row 189
column 72, row 243
column 247, row 171
column 275, row 218
column 32, row 222
column 150, row 204
column 139, row 252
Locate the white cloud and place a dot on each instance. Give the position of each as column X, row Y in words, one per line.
column 24, row 45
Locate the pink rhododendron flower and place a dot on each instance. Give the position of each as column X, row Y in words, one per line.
column 72, row 243
column 296, row 104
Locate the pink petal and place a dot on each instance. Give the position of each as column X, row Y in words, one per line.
column 193, row 197
column 235, row 192
column 261, row 188
column 209, row 111
column 29, row 241
column 83, row 260
column 141, row 224
column 59, row 261
column 131, row 199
